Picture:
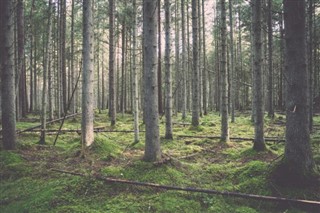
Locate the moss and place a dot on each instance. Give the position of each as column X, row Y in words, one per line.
column 105, row 148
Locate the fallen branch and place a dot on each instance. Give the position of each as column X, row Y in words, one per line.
column 96, row 130
column 232, row 138
column 39, row 126
column 308, row 203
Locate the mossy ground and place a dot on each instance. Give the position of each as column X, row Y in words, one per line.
column 27, row 183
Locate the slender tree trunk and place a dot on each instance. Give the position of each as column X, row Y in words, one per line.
column 224, row 76
column 63, row 54
column 270, row 62
column 204, row 69
column 257, row 78
column 123, row 67
column 23, row 108
column 112, row 92
column 159, row 60
column 135, row 85
column 177, row 60
column 168, row 110
column 7, row 75
column 184, row 61
column 152, row 146
column 87, row 134
column 73, row 101
column 310, row 62
column 232, row 62
column 195, row 80
column 45, row 79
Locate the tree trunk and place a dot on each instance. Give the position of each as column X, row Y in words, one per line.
column 45, row 80
column 7, row 75
column 257, row 78
column 310, row 62
column 135, row 85
column 270, row 62
column 184, row 61
column 224, row 76
column 159, row 60
column 298, row 159
column 204, row 69
column 195, row 80
column 177, row 61
column 23, row 108
column 63, row 54
column 123, row 67
column 232, row 62
column 152, row 146
column 73, row 101
column 112, row 92
column 168, row 110
column 87, row 134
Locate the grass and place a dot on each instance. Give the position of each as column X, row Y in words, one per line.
column 28, row 185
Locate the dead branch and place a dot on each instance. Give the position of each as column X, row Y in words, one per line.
column 96, row 130
column 299, row 202
column 279, row 140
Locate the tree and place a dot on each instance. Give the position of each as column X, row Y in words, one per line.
column 135, row 85
column 224, row 76
column 152, row 146
column 168, row 110
column 297, row 164
column 184, row 61
column 232, row 63
column 112, row 92
column 195, row 82
column 270, row 62
column 159, row 60
column 257, row 78
column 87, row 135
column 8, row 105
column 21, row 75
column 45, row 79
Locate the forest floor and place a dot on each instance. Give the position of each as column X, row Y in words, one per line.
column 28, row 183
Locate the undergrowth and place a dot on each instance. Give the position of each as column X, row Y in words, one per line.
column 27, row 183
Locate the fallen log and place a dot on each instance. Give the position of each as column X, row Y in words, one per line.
column 96, row 130
column 288, row 201
column 39, row 126
column 279, row 140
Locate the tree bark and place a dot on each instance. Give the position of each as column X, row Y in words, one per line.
column 168, row 110
column 135, row 85
column 112, row 92
column 195, row 81
column 152, row 146
column 87, row 135
column 232, row 65
column 298, row 155
column 184, row 61
column 257, row 78
column 204, row 60
column 159, row 60
column 270, row 62
column 224, row 76
column 45, row 77
column 7, row 75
